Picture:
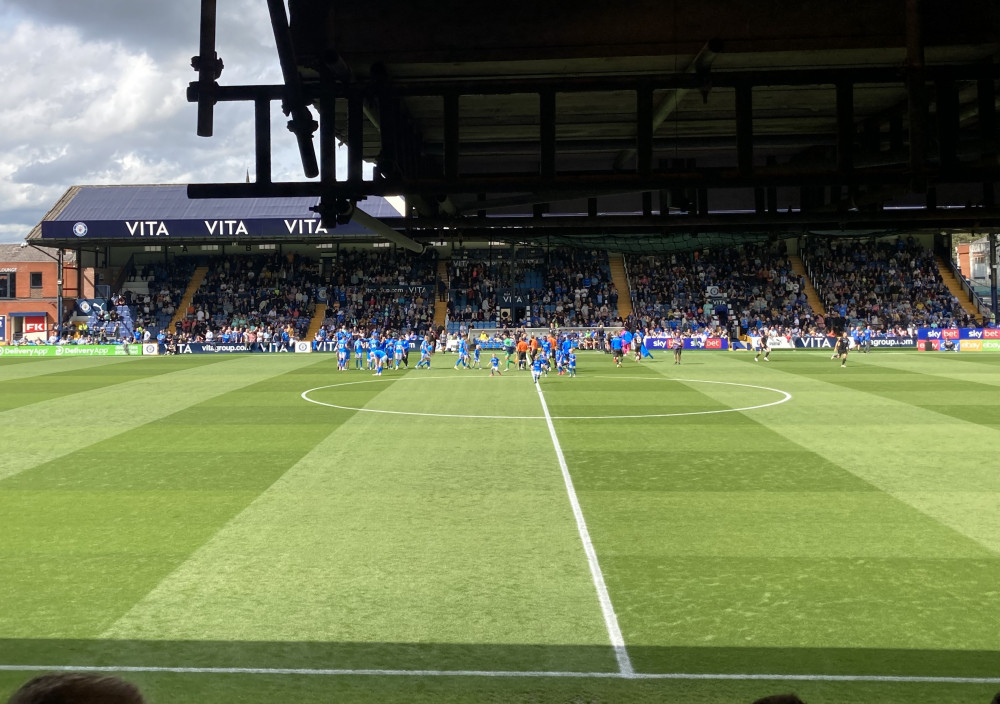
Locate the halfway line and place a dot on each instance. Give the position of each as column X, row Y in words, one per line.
column 610, row 619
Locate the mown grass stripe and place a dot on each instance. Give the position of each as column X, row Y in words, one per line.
column 433, row 530
column 872, row 436
column 44, row 431
column 12, row 368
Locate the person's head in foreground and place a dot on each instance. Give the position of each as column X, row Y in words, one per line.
column 77, row 688
column 780, row 699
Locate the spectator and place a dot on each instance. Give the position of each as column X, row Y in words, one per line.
column 77, row 688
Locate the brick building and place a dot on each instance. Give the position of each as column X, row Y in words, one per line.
column 29, row 290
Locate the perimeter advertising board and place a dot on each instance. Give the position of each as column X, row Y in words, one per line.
column 959, row 339
column 958, row 333
column 227, row 347
column 827, row 341
column 690, row 343
column 71, row 351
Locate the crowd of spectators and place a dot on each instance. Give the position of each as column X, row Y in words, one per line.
column 753, row 286
column 166, row 282
column 383, row 289
column 887, row 284
column 558, row 287
column 264, row 298
column 253, row 293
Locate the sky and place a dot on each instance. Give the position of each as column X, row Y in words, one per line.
column 94, row 93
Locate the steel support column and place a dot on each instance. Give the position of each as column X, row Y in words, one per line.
column 744, row 129
column 262, row 139
column 451, row 136
column 916, row 93
column 845, row 127
column 644, row 130
column 993, row 274
column 355, row 137
column 547, row 133
column 947, row 123
column 987, row 109
column 209, row 66
column 59, row 291
column 294, row 104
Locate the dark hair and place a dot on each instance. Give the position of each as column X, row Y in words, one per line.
column 780, row 699
column 77, row 688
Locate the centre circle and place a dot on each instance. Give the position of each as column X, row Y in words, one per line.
column 785, row 396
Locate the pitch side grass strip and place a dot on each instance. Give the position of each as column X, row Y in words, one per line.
column 15, row 368
column 51, row 429
column 983, row 370
column 954, row 480
column 28, row 393
column 607, row 608
column 510, row 674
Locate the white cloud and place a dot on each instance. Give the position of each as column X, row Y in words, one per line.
column 94, row 93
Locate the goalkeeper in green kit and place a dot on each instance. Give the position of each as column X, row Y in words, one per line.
column 508, row 349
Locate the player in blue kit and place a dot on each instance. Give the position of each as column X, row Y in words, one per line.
column 463, row 353
column 643, row 349
column 476, row 355
column 616, row 348
column 567, row 345
column 379, row 359
column 388, row 346
column 536, row 368
column 359, row 353
column 495, row 365
column 425, row 354
column 571, row 363
column 399, row 349
column 560, row 361
column 373, row 344
column 342, row 353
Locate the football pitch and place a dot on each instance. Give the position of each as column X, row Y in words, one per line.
column 264, row 528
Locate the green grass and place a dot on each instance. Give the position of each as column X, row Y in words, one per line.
column 196, row 511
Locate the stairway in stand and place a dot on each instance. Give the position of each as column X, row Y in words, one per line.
column 319, row 314
column 811, row 296
column 951, row 281
column 620, row 280
column 440, row 307
column 192, row 288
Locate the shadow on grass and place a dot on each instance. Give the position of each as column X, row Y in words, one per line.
column 465, row 656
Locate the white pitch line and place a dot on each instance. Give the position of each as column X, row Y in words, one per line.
column 785, row 396
column 607, row 608
column 331, row 672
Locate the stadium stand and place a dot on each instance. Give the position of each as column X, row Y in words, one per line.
column 559, row 286
column 754, row 285
column 888, row 284
column 253, row 292
column 391, row 289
